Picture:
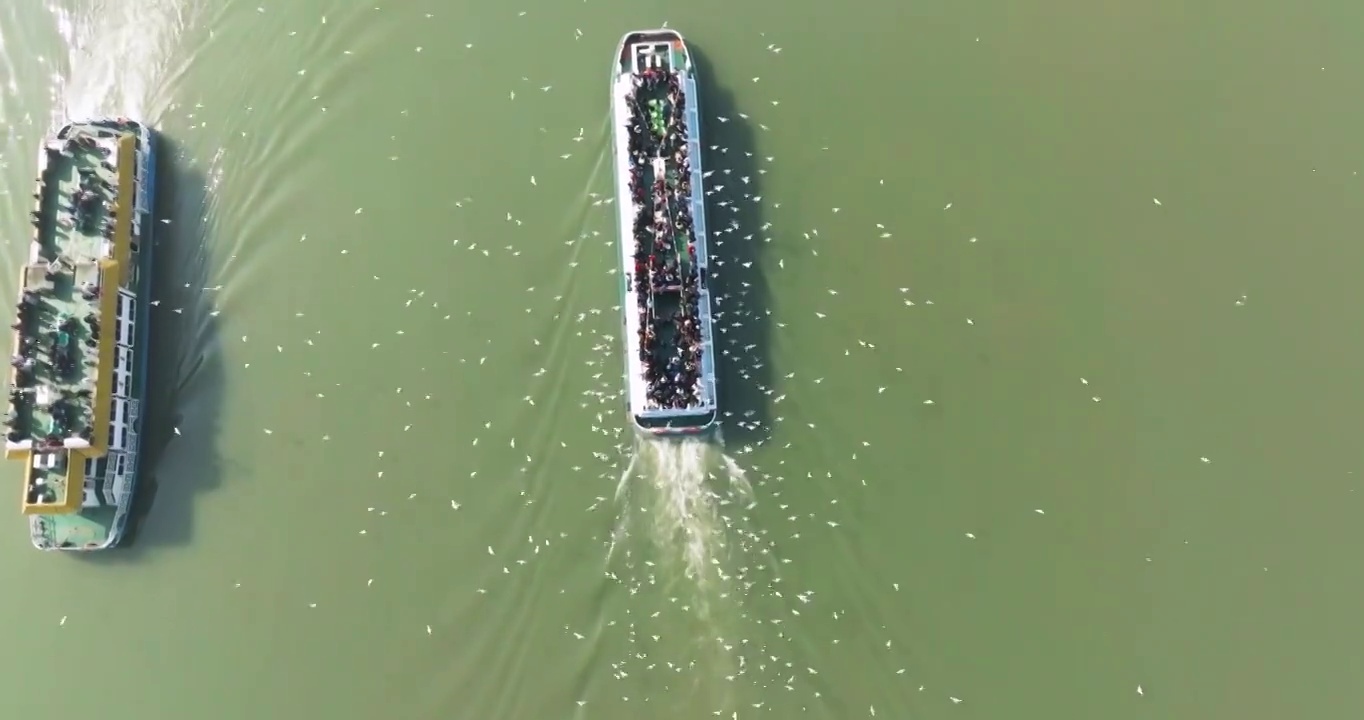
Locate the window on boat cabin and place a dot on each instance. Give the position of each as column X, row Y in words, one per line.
column 118, row 465
column 127, row 302
column 125, row 322
column 119, row 431
column 123, row 371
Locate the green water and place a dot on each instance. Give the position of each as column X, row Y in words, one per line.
column 1039, row 359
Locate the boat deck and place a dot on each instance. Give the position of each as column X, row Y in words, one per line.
column 660, row 53
column 62, row 375
column 90, row 526
column 77, row 246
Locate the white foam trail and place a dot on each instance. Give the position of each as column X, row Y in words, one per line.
column 738, row 477
column 622, row 528
column 681, row 490
column 623, row 485
column 699, row 550
column 118, row 52
column 685, row 508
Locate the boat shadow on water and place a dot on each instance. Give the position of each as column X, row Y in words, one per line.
column 185, row 377
column 738, row 276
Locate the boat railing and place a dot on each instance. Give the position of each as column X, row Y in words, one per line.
column 698, row 202
column 646, row 421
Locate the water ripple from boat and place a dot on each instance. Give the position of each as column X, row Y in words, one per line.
column 118, row 55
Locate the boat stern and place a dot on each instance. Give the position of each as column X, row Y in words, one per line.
column 676, row 424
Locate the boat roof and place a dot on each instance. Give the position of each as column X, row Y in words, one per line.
column 61, row 377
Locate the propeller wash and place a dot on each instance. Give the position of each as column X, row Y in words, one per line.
column 690, row 499
column 118, row 56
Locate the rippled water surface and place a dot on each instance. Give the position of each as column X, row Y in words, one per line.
column 1037, row 355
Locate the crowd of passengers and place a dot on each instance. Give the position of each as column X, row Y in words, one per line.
column 669, row 346
column 52, row 347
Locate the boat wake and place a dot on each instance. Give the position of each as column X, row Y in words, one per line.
column 689, row 499
column 686, row 546
column 118, row 56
